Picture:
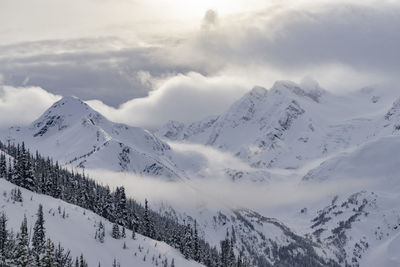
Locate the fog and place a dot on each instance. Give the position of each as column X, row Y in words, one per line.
column 219, row 193
column 213, row 190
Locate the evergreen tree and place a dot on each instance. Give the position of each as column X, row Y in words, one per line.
column 187, row 243
column 82, row 262
column 3, row 238
column 16, row 195
column 133, row 235
column 121, row 207
column 3, row 166
column 100, row 232
column 196, row 244
column 39, row 235
column 49, row 257
column 115, row 231
column 123, row 234
column 62, row 258
column 148, row 224
column 22, row 255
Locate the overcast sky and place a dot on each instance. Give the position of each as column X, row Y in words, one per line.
column 144, row 62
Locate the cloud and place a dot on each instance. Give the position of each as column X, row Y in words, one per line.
column 183, row 97
column 188, row 75
column 22, row 105
column 105, row 68
column 311, row 39
column 220, row 193
column 212, row 190
column 210, row 19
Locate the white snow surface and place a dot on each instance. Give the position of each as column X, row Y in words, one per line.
column 76, row 232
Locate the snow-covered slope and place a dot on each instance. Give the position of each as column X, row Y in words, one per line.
column 288, row 125
column 73, row 133
column 265, row 241
column 76, row 232
column 363, row 227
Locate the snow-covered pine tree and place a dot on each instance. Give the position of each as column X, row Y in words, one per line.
column 123, row 233
column 39, row 235
column 10, row 171
column 26, row 169
column 16, row 195
column 21, row 254
column 82, row 262
column 3, row 238
column 148, row 223
column 187, row 243
column 115, row 231
column 133, row 235
column 100, row 232
column 49, row 257
column 3, row 166
column 120, row 206
column 63, row 259
column 196, row 244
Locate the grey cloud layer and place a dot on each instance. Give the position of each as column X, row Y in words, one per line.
column 109, row 74
column 356, row 35
column 343, row 45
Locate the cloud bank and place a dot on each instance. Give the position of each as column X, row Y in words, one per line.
column 186, row 75
column 182, row 97
column 20, row 106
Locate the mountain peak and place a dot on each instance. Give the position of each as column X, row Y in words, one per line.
column 64, row 113
column 258, row 91
column 70, row 102
column 308, row 88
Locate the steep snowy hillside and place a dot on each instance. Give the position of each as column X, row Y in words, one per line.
column 287, row 125
column 73, row 133
column 265, row 241
column 75, row 229
column 365, row 226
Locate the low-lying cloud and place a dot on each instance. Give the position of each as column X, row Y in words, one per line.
column 220, row 193
column 207, row 185
column 21, row 106
column 183, row 97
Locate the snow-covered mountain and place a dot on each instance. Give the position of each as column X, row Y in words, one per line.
column 73, row 133
column 287, row 125
column 350, row 141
